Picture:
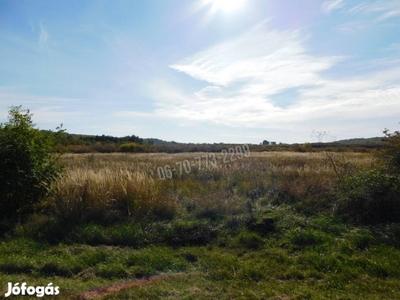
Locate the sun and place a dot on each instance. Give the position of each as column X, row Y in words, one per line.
column 226, row 5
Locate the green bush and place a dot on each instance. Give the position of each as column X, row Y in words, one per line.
column 373, row 197
column 370, row 198
column 27, row 165
column 131, row 148
column 391, row 152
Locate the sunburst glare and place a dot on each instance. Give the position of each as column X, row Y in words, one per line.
column 227, row 5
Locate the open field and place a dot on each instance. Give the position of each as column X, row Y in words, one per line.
column 259, row 226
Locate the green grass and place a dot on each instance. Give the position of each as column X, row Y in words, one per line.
column 305, row 258
column 260, row 228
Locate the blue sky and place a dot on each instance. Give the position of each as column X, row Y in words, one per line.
column 236, row 71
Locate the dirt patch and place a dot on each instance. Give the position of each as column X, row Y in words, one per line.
column 102, row 291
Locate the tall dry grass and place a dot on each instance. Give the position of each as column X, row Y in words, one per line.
column 107, row 188
column 112, row 189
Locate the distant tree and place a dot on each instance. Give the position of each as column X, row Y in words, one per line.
column 132, row 147
column 265, row 143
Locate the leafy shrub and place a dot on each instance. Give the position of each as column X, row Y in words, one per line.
column 27, row 165
column 373, row 197
column 109, row 148
column 391, row 152
column 131, row 148
column 369, row 198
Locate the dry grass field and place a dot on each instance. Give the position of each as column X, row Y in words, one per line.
column 257, row 226
column 122, row 185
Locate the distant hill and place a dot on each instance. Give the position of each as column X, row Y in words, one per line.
column 375, row 141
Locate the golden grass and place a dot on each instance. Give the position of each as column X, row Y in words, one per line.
column 128, row 185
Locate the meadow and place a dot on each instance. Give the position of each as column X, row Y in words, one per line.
column 239, row 225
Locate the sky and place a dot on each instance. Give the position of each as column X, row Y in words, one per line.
column 204, row 71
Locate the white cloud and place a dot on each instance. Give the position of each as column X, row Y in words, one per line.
column 382, row 10
column 332, row 5
column 369, row 15
column 244, row 75
column 261, row 59
column 353, row 27
column 389, row 14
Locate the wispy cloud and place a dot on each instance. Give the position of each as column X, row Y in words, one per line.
column 43, row 37
column 46, row 109
column 389, row 14
column 381, row 10
column 261, row 59
column 332, row 5
column 393, row 47
column 367, row 15
column 271, row 79
column 353, row 27
column 245, row 74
